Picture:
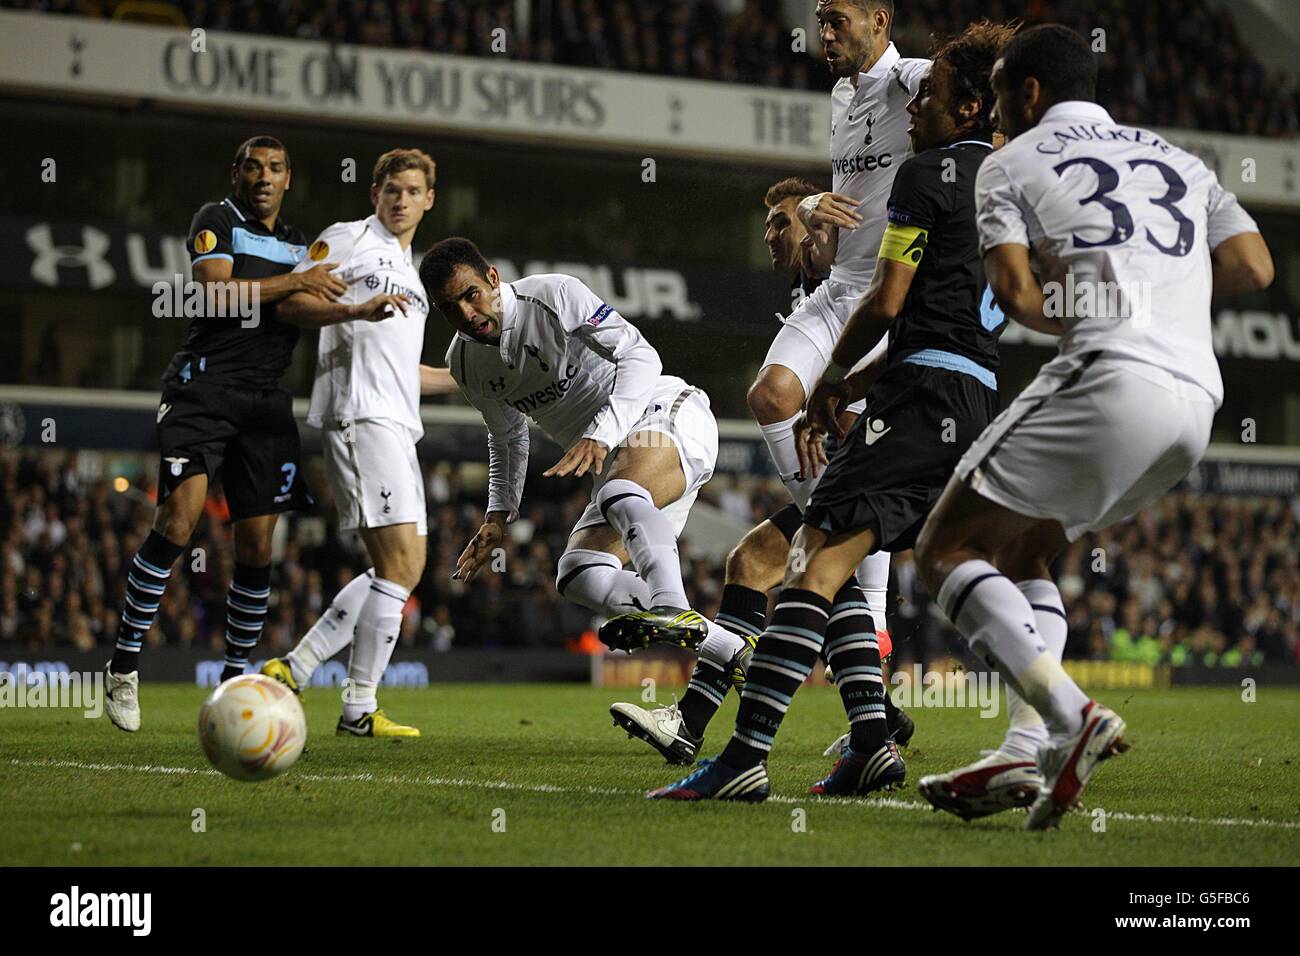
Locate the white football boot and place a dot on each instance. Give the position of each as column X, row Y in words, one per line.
column 838, row 748
column 996, row 782
column 1068, row 762
column 122, row 699
column 663, row 728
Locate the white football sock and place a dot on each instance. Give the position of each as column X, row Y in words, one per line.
column 996, row 619
column 332, row 632
column 780, row 443
column 721, row 645
column 378, row 627
column 596, row 580
column 648, row 537
column 1027, row 730
column 873, row 578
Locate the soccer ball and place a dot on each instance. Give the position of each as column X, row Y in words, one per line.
column 252, row 728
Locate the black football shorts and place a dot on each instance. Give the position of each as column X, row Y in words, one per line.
column 247, row 435
column 899, row 454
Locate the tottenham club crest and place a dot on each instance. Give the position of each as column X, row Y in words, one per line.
column 870, row 121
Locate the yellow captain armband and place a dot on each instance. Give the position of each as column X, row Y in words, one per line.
column 905, row 244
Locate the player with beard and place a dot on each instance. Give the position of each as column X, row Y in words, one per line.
column 546, row 348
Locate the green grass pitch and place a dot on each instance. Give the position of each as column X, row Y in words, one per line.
column 536, row 775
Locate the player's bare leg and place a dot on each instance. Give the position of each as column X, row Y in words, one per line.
column 249, row 593
column 398, row 553
column 963, row 535
column 147, row 578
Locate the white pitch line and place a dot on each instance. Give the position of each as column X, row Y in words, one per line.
column 887, row 803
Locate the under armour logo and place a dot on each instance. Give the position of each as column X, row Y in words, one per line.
column 498, row 384
column 385, row 263
column 631, row 534
column 390, row 638
column 1030, row 629
column 533, row 351
column 89, row 256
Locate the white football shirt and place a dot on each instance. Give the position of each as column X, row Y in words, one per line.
column 869, row 142
column 368, row 370
column 1120, row 224
column 567, row 361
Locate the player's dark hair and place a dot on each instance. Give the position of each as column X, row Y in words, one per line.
column 263, row 142
column 971, row 54
column 873, row 5
column 440, row 262
column 1057, row 57
column 783, row 190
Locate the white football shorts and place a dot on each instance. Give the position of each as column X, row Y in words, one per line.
column 1094, row 439
column 808, row 335
column 375, row 475
column 682, row 413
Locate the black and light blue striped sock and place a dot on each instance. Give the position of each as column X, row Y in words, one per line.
column 785, row 656
column 742, row 612
column 853, row 653
column 246, row 603
column 146, row 580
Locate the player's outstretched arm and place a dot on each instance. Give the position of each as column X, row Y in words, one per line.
column 437, row 381
column 312, row 312
column 317, row 281
column 1242, row 263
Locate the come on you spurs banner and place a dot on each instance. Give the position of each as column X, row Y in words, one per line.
column 239, row 73
column 64, row 56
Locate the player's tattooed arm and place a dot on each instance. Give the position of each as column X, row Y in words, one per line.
column 1016, row 289
column 315, row 281
column 311, row 312
column 869, row 323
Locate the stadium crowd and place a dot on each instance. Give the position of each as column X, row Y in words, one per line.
column 1196, row 581
column 1177, row 63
